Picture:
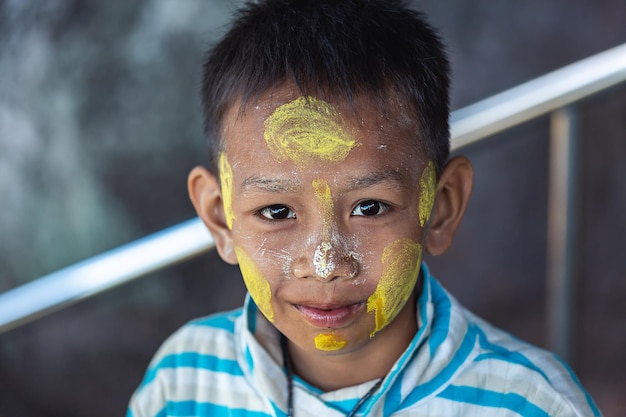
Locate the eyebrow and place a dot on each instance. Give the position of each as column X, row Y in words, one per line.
column 277, row 185
column 272, row 185
column 371, row 179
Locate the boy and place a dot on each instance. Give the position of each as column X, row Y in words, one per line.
column 327, row 122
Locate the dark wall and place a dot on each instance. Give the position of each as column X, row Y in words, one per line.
column 100, row 123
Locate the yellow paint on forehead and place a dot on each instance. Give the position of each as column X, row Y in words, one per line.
column 305, row 131
column 256, row 283
column 428, row 188
column 401, row 263
column 329, row 342
column 226, row 183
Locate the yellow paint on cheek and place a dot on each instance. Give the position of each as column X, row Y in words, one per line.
column 226, row 183
column 401, row 262
column 306, row 131
column 329, row 342
column 256, row 283
column 428, row 187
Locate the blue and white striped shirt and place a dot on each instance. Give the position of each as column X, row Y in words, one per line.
column 230, row 364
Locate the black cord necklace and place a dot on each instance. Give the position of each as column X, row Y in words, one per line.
column 289, row 367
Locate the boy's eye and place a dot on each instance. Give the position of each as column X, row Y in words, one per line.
column 369, row 208
column 277, row 212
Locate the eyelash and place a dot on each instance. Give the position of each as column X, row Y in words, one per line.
column 361, row 210
column 266, row 212
column 381, row 209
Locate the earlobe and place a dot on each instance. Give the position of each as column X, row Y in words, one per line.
column 206, row 196
column 453, row 192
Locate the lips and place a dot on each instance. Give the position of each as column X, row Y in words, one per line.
column 332, row 317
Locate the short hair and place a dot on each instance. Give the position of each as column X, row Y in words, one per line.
column 338, row 47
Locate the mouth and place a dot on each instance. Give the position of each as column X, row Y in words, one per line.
column 330, row 317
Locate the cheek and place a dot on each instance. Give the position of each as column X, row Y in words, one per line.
column 401, row 262
column 226, row 184
column 428, row 185
column 256, row 283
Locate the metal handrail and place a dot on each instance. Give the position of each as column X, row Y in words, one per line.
column 468, row 125
column 538, row 97
column 102, row 272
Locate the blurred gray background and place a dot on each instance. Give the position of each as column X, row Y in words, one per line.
column 100, row 124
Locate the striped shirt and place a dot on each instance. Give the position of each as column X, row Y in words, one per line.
column 230, row 364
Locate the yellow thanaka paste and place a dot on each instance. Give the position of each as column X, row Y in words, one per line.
column 256, row 283
column 428, row 188
column 324, row 265
column 329, row 342
column 305, row 131
column 325, row 200
column 401, row 262
column 226, row 183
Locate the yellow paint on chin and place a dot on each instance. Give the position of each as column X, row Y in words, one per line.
column 401, row 262
column 329, row 342
column 305, row 131
column 226, row 183
column 428, row 185
column 256, row 283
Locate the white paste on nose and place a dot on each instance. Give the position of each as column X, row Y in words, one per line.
column 322, row 260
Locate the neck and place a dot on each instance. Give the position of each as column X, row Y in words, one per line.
column 372, row 361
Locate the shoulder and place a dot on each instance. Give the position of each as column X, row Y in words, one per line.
column 210, row 338
column 190, row 365
column 468, row 366
column 519, row 376
column 203, row 333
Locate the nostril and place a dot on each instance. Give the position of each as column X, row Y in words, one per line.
column 354, row 265
column 344, row 266
column 300, row 267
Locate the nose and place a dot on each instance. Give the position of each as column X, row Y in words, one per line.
column 327, row 263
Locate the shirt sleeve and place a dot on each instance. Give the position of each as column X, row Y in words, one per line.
column 149, row 399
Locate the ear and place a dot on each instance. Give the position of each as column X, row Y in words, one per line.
column 453, row 193
column 206, row 196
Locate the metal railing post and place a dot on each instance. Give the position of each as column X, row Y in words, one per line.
column 562, row 258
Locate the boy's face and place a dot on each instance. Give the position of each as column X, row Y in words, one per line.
column 327, row 210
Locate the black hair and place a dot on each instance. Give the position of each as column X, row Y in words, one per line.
column 338, row 47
